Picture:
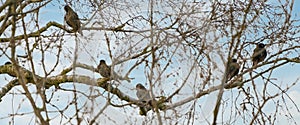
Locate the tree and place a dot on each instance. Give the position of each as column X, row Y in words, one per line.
column 178, row 50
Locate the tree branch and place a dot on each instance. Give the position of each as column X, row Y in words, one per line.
column 38, row 33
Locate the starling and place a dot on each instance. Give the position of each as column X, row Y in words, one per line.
column 143, row 96
column 233, row 69
column 72, row 19
column 142, row 93
column 105, row 71
column 259, row 54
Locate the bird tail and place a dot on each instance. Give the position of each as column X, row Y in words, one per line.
column 254, row 63
column 80, row 31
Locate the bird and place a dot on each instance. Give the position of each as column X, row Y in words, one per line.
column 106, row 71
column 144, row 96
column 259, row 54
column 233, row 69
column 72, row 19
column 142, row 93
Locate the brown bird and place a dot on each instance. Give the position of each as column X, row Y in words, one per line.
column 72, row 19
column 142, row 93
column 233, row 69
column 144, row 96
column 106, row 71
column 259, row 54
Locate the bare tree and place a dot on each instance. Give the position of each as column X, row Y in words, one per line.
column 181, row 51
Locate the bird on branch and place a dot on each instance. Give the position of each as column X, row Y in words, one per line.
column 72, row 19
column 107, row 72
column 233, row 69
column 259, row 54
column 144, row 96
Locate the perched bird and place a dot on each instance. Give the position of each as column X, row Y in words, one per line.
column 144, row 96
column 142, row 93
column 233, row 69
column 72, row 19
column 259, row 54
column 106, row 71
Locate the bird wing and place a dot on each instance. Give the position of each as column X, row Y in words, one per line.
column 143, row 95
column 256, row 52
column 263, row 53
column 233, row 70
column 74, row 15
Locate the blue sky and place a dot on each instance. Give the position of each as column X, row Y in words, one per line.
column 94, row 46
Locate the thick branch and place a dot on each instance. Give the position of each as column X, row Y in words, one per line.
column 38, row 33
column 8, row 87
column 202, row 93
column 63, row 78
